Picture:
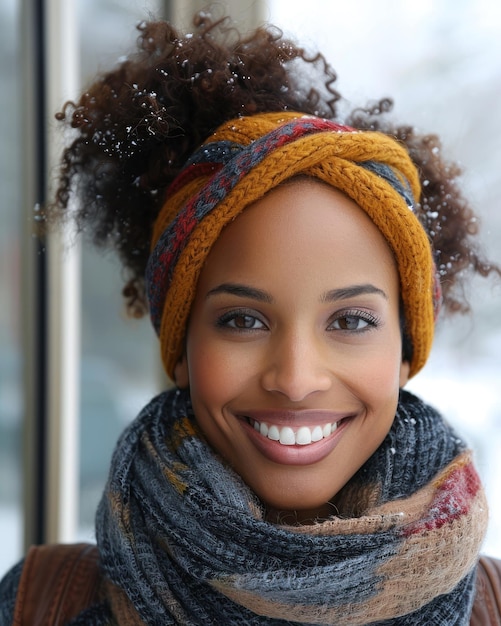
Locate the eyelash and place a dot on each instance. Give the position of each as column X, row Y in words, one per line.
column 358, row 315
column 224, row 321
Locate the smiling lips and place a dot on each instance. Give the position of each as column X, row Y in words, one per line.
column 295, row 437
column 301, row 436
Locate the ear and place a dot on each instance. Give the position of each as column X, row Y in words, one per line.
column 404, row 373
column 181, row 372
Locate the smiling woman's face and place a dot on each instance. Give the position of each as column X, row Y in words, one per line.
column 293, row 354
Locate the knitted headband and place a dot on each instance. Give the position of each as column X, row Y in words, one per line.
column 247, row 157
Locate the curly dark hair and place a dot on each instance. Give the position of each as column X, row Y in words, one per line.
column 136, row 126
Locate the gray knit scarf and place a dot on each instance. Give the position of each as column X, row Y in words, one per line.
column 184, row 541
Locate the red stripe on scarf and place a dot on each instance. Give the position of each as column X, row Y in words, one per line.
column 453, row 499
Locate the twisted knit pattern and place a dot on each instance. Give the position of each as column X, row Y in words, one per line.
column 249, row 156
column 184, row 541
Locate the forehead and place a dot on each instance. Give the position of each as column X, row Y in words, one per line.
column 302, row 227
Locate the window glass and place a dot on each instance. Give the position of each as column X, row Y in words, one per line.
column 440, row 63
column 10, row 315
column 120, row 367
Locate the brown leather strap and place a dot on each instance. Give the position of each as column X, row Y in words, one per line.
column 487, row 606
column 57, row 583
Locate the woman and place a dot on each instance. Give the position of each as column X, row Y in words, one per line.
column 293, row 265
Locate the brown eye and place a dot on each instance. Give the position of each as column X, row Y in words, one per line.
column 350, row 322
column 240, row 321
column 244, row 321
column 354, row 321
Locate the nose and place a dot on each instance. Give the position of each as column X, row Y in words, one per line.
column 296, row 367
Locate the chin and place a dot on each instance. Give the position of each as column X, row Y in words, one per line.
column 301, row 509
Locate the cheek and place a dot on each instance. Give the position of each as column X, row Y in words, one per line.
column 384, row 376
column 214, row 376
column 215, row 379
column 204, row 374
column 378, row 376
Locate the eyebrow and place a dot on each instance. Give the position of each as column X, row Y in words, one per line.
column 351, row 292
column 245, row 291
column 242, row 291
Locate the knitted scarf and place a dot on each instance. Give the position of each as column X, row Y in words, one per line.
column 184, row 541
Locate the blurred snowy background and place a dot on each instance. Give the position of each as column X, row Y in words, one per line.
column 439, row 61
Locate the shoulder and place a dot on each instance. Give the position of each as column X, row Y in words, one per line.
column 53, row 584
column 487, row 605
column 8, row 591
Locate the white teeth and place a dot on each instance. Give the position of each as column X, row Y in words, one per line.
column 317, row 434
column 302, row 436
column 287, row 437
column 273, row 433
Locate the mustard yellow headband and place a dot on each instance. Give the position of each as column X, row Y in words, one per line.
column 247, row 157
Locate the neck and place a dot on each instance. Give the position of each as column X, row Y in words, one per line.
column 300, row 517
